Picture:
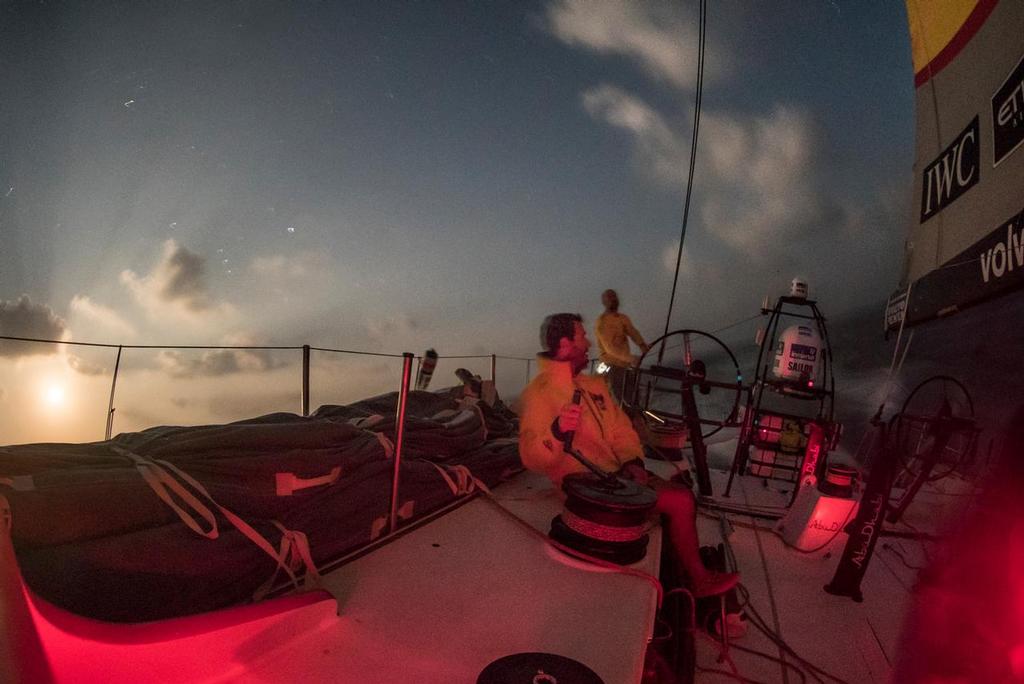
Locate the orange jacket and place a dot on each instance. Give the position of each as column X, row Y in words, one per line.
column 614, row 331
column 605, row 435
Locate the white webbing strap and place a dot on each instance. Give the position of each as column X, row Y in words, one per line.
column 163, row 484
column 294, row 550
column 289, row 483
column 389, row 446
column 464, row 482
column 155, row 472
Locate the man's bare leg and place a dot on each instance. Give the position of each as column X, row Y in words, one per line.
column 677, row 504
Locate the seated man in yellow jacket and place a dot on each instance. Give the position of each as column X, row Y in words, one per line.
column 603, row 434
column 614, row 331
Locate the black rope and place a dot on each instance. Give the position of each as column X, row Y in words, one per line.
column 693, row 160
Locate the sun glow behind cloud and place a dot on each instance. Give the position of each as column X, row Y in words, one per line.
column 54, row 395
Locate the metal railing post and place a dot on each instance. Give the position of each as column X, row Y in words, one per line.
column 305, row 379
column 403, row 395
column 110, row 407
column 494, row 368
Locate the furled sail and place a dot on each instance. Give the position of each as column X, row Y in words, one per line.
column 966, row 237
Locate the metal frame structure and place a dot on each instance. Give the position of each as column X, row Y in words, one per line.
column 823, row 394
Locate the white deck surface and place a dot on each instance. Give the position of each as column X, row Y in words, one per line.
column 857, row 642
column 446, row 600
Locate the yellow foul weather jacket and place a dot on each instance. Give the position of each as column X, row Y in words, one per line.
column 605, row 435
column 614, row 331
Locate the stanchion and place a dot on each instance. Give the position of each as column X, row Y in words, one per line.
column 305, row 379
column 110, row 408
column 403, row 396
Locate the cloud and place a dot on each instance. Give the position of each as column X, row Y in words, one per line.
column 178, row 279
column 385, row 330
column 22, row 318
column 762, row 178
column 80, row 365
column 97, row 316
column 216, row 362
column 297, row 266
column 656, row 36
column 703, row 271
column 659, row 151
column 758, row 176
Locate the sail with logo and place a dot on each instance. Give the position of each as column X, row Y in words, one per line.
column 966, row 240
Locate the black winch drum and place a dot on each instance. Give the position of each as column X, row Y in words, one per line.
column 537, row 668
column 838, row 481
column 604, row 518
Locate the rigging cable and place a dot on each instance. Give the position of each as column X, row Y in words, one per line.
column 693, row 159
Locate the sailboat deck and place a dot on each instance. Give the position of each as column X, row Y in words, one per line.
column 447, row 598
column 855, row 642
column 441, row 603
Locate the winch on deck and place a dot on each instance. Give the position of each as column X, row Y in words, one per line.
column 605, row 516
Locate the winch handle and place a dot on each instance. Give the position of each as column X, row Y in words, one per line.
column 577, row 397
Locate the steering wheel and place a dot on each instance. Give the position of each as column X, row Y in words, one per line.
column 696, row 358
column 937, row 399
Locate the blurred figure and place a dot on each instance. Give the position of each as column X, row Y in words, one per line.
column 966, row 622
column 614, row 331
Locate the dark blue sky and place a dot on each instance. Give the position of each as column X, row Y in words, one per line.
column 398, row 175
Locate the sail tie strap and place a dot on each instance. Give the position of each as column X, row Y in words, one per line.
column 158, row 475
column 164, row 485
column 389, row 446
column 463, row 482
column 294, row 550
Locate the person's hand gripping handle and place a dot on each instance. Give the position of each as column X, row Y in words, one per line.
column 568, row 422
column 569, row 419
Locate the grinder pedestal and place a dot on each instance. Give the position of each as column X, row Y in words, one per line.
column 604, row 517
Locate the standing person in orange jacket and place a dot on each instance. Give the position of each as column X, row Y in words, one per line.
column 614, row 331
column 604, row 434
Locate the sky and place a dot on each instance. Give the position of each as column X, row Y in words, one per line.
column 392, row 176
